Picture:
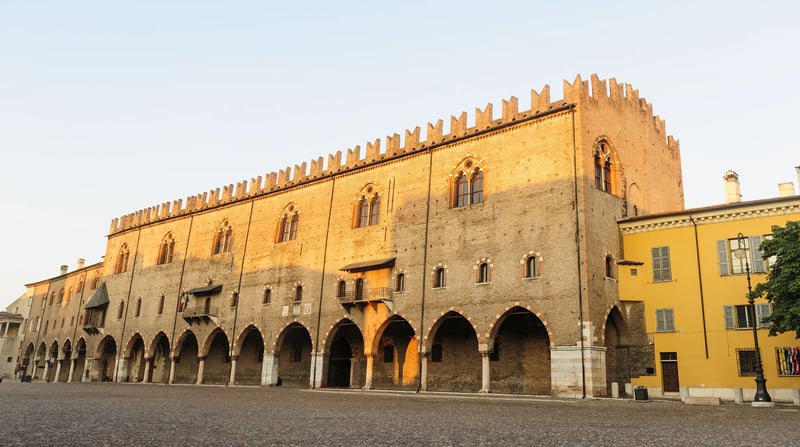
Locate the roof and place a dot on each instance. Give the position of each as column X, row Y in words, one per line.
column 99, row 298
column 211, row 289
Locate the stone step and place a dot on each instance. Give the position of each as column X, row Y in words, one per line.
column 699, row 400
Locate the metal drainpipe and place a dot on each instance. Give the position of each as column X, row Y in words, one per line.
column 239, row 287
column 130, row 289
column 322, row 282
column 578, row 246
column 424, row 273
column 700, row 279
column 180, row 285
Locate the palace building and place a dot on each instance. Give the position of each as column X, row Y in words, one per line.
column 483, row 257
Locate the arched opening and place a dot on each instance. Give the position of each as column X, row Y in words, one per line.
column 294, row 356
column 159, row 366
column 251, row 358
column 80, row 360
column 186, row 360
column 346, row 356
column 454, row 363
column 218, row 360
column 520, row 358
column 136, row 360
column 618, row 366
column 39, row 362
column 27, row 357
column 53, row 361
column 106, row 361
column 396, row 363
column 63, row 375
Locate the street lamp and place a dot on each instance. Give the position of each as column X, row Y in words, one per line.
column 762, row 396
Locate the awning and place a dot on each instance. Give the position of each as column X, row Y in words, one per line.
column 368, row 265
column 100, row 298
column 211, row 289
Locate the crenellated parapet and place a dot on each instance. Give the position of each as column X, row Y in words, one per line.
column 577, row 92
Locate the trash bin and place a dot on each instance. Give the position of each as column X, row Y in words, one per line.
column 640, row 393
column 26, row 378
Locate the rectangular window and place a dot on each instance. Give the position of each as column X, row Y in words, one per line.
column 741, row 317
column 436, row 353
column 662, row 271
column 746, row 359
column 665, row 320
column 734, row 260
column 388, row 354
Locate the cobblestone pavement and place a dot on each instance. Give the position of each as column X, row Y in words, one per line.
column 54, row 414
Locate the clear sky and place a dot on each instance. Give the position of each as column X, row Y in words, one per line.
column 108, row 107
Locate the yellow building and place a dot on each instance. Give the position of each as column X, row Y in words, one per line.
column 684, row 268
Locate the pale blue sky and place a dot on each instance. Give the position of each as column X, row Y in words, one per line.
column 107, row 107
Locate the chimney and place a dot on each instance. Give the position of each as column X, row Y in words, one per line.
column 81, row 263
column 797, row 168
column 785, row 189
column 64, row 269
column 733, row 193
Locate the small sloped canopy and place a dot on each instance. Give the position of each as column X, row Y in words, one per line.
column 368, row 265
column 99, row 298
column 211, row 289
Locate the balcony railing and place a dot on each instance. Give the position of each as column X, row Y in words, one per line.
column 199, row 313
column 377, row 294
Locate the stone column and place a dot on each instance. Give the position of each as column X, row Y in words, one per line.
column 147, row 362
column 120, row 369
column 72, row 363
column 46, row 369
column 87, row 369
column 317, row 366
column 269, row 369
column 370, row 364
column 232, row 378
column 486, row 373
column 171, row 371
column 423, row 374
column 58, row 370
column 201, row 366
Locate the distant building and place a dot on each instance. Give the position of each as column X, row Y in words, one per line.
column 683, row 267
column 13, row 323
column 483, row 258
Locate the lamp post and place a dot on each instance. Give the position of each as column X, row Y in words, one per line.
column 762, row 396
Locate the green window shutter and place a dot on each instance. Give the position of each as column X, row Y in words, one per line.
column 655, row 253
column 729, row 318
column 660, row 320
column 756, row 255
column 763, row 310
column 722, row 252
column 666, row 270
column 670, row 319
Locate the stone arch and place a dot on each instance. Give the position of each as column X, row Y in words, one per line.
column 344, row 355
column 454, row 363
column 105, row 359
column 216, row 351
column 52, row 360
column 185, row 355
column 292, row 353
column 604, row 151
column 79, row 355
column 249, row 353
column 65, row 359
column 634, row 200
column 158, row 352
column 396, row 354
column 615, row 339
column 519, row 342
column 134, row 359
column 437, row 321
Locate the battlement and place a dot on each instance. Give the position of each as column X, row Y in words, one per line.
column 577, row 92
